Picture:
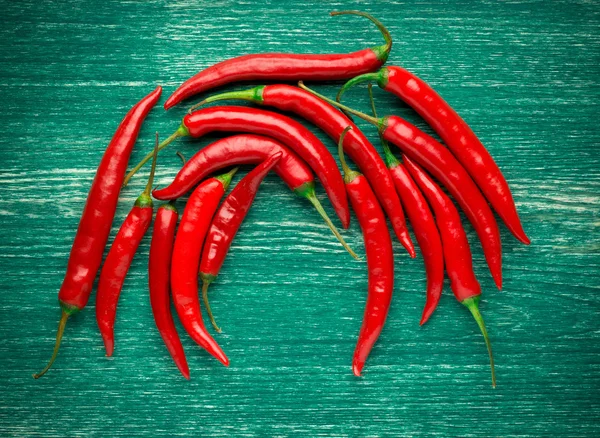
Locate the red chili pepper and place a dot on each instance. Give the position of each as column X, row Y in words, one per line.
column 457, row 254
column 423, row 224
column 440, row 162
column 119, row 260
column 236, row 150
column 226, row 223
column 380, row 259
column 194, row 224
column 454, row 131
column 98, row 213
column 333, row 122
column 159, row 270
column 282, row 128
column 288, row 67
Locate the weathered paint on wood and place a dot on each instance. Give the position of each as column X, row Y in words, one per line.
column 524, row 74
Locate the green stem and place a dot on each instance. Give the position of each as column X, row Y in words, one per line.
column 252, row 95
column 148, row 189
column 59, row 334
column 349, row 174
column 227, row 177
column 381, row 77
column 312, row 197
column 473, row 305
column 207, row 305
column 181, row 157
column 181, row 132
column 375, row 121
column 381, row 52
column 390, row 158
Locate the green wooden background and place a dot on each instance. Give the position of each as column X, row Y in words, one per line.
column 525, row 76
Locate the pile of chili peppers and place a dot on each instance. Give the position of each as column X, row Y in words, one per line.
column 180, row 257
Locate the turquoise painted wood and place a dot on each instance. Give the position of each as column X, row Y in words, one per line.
column 523, row 74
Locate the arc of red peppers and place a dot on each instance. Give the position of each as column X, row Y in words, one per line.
column 119, row 260
column 423, row 224
column 380, row 259
column 227, row 222
column 457, row 253
column 288, row 67
column 295, row 100
column 279, row 127
column 457, row 135
column 195, row 221
column 95, row 223
column 440, row 162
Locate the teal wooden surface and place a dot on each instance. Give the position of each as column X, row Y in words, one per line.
column 524, row 75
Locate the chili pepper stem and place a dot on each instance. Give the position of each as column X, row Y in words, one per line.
column 59, row 334
column 375, row 121
column 390, row 158
column 207, row 305
column 380, row 77
column 148, row 189
column 349, row 174
column 382, row 52
column 315, row 202
column 181, row 132
column 251, row 95
column 473, row 305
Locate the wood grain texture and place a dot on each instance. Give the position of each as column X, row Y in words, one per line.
column 525, row 76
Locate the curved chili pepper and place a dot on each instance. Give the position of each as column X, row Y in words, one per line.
column 440, row 162
column 380, row 259
column 282, row 128
column 226, row 223
column 457, row 254
column 424, row 227
column 192, row 230
column 236, row 150
column 288, row 67
column 457, row 135
column 333, row 122
column 119, row 260
column 98, row 213
column 159, row 270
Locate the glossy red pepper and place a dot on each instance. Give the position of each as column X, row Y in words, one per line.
column 119, row 260
column 333, row 122
column 236, row 150
column 380, row 260
column 194, row 224
column 159, row 283
column 440, row 162
column 96, row 220
column 279, row 127
column 457, row 135
column 287, row 67
column 227, row 222
column 457, row 253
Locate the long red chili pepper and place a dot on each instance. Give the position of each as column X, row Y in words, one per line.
column 226, row 223
column 194, row 224
column 440, row 162
column 279, row 127
column 98, row 213
column 119, row 260
column 423, row 223
column 333, row 122
column 457, row 254
column 236, row 150
column 457, row 135
column 288, row 67
column 159, row 284
column 380, row 259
